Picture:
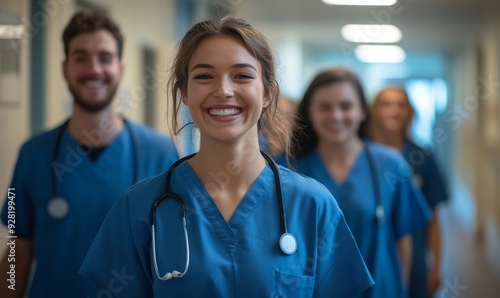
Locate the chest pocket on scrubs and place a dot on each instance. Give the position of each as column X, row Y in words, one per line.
column 293, row 285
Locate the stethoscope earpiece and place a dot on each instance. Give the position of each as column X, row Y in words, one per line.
column 169, row 275
column 176, row 273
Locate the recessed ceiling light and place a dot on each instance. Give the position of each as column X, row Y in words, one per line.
column 371, row 33
column 361, row 2
column 380, row 54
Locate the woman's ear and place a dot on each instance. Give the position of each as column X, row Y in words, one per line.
column 267, row 99
column 185, row 98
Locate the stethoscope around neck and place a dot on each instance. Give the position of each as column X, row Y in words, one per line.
column 287, row 241
column 379, row 208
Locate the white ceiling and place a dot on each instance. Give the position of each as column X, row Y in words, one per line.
column 427, row 25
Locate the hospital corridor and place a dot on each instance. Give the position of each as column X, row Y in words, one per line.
column 412, row 73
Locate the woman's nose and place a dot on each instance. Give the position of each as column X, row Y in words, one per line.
column 223, row 88
column 336, row 113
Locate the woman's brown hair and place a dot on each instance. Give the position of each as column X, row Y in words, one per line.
column 304, row 137
column 272, row 118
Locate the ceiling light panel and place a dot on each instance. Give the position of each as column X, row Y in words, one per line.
column 380, row 54
column 361, row 2
column 371, row 33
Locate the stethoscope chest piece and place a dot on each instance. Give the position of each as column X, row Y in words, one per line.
column 288, row 244
column 58, row 208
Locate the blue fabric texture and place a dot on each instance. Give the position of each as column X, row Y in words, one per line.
column 236, row 258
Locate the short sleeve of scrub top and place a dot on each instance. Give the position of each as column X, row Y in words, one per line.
column 17, row 209
column 237, row 258
column 31, row 163
column 118, row 264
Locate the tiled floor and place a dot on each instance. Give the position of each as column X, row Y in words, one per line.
column 468, row 268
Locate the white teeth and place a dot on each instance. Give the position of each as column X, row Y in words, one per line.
column 224, row 112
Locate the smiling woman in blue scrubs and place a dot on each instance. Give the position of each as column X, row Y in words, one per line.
column 391, row 116
column 224, row 72
column 369, row 181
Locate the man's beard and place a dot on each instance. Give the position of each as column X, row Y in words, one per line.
column 93, row 107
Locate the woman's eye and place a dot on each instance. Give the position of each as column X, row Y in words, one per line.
column 346, row 106
column 202, row 76
column 243, row 76
column 323, row 107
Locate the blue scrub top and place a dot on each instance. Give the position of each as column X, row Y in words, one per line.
column 238, row 258
column 404, row 208
column 62, row 238
column 428, row 178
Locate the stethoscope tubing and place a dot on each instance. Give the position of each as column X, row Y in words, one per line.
column 168, row 194
column 57, row 148
column 287, row 241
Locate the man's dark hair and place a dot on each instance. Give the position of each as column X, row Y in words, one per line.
column 90, row 21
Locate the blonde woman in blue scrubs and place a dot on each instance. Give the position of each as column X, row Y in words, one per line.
column 224, row 72
column 369, row 181
column 391, row 116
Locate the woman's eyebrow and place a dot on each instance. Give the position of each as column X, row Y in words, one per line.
column 237, row 65
column 243, row 65
column 201, row 65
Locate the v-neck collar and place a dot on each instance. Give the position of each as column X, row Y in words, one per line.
column 350, row 173
column 229, row 232
column 120, row 138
